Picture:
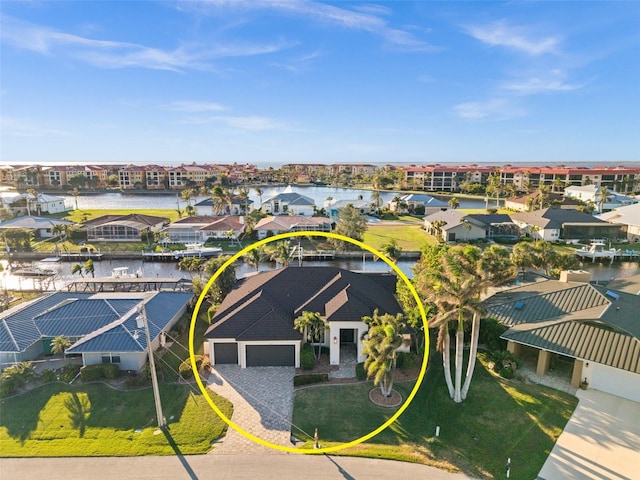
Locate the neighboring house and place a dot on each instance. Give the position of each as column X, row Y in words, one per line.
column 289, row 203
column 495, row 224
column 594, row 327
column 122, row 228
column 553, row 224
column 102, row 327
column 409, row 202
column 222, row 226
column 50, row 204
column 254, row 324
column 238, row 206
column 40, row 226
column 290, row 223
column 332, row 207
column 186, row 230
column 591, row 194
column 628, row 216
column 453, row 225
column 531, row 201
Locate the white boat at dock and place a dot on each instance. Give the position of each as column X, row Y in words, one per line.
column 597, row 250
column 123, row 272
column 197, row 250
column 34, row 272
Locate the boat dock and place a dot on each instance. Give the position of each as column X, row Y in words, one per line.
column 598, row 251
column 129, row 284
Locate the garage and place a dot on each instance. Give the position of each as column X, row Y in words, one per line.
column 271, row 355
column 225, row 353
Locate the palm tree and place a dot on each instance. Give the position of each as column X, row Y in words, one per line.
column 255, row 257
column 603, row 196
column 454, row 202
column 436, row 227
column 498, row 265
column 376, row 200
column 218, row 197
column 190, row 264
column 187, row 194
column 383, row 339
column 280, row 253
column 59, row 345
column 190, row 210
column 455, row 288
column 77, row 268
column 545, row 256
column 392, row 251
column 523, row 256
column 467, row 227
column 243, row 195
column 543, row 195
column 259, row 192
column 76, row 193
column 312, row 326
column 89, row 268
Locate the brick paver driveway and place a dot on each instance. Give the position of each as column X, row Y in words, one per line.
column 262, row 400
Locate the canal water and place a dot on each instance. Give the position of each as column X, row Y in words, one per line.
column 602, row 272
column 116, row 200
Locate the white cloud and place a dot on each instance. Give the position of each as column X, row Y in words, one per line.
column 518, row 38
column 249, row 123
column 114, row 54
column 20, row 127
column 194, row 106
column 367, row 18
column 494, row 109
column 554, row 81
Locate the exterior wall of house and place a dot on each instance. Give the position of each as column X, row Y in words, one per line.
column 334, row 338
column 53, row 207
column 633, row 233
column 548, row 234
column 242, row 350
column 462, row 234
column 10, row 358
column 612, row 380
column 133, row 361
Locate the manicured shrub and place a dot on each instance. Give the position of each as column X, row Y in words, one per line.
column 91, row 373
column 69, row 372
column 405, row 361
column 506, row 372
column 361, row 374
column 310, row 378
column 48, row 376
column 490, row 331
column 111, row 371
column 307, row 357
column 7, row 386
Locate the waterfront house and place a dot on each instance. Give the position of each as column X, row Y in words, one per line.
column 237, row 206
column 102, row 327
column 629, row 216
column 408, row 204
column 40, row 226
column 591, row 194
column 531, row 201
column 289, row 203
column 593, row 329
column 553, row 224
column 453, row 226
column 122, row 228
column 333, row 206
column 274, row 225
column 254, row 324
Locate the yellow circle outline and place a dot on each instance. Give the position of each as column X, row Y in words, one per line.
column 283, row 236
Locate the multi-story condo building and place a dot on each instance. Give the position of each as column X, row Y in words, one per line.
column 132, row 177
column 156, row 177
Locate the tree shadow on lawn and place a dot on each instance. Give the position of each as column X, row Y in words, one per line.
column 500, row 419
column 21, row 414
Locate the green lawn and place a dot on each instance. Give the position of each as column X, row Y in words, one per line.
column 408, row 237
column 95, row 420
column 499, row 419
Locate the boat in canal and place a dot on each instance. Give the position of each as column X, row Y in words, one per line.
column 197, row 250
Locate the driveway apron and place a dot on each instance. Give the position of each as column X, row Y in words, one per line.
column 262, row 400
column 601, row 441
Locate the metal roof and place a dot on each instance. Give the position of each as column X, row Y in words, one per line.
column 99, row 321
column 579, row 320
column 584, row 340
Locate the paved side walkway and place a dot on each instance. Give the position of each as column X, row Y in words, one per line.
column 601, row 441
column 262, row 400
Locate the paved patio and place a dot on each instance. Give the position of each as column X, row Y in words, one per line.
column 262, row 399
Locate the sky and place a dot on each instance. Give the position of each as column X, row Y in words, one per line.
column 300, row 81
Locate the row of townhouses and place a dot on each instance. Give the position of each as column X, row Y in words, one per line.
column 433, row 178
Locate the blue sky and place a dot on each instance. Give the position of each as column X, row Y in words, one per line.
column 272, row 82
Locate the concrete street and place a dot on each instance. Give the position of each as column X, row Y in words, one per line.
column 241, row 466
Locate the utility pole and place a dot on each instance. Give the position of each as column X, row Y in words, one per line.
column 141, row 321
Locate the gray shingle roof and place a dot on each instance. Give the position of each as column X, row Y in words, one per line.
column 264, row 306
column 555, row 217
column 291, row 199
